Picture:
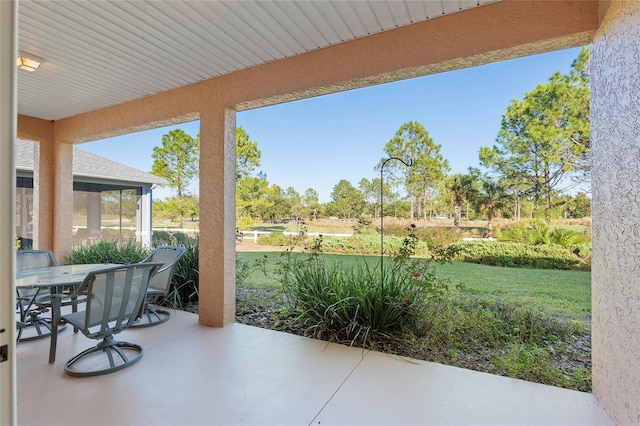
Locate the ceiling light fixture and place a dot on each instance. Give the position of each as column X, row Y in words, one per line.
column 28, row 62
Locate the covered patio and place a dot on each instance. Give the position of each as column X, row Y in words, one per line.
column 192, row 374
column 113, row 68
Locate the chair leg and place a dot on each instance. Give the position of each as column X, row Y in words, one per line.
column 55, row 319
column 151, row 316
column 116, row 353
column 41, row 326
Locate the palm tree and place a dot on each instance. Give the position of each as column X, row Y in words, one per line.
column 463, row 188
column 492, row 199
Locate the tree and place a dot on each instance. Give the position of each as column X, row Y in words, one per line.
column 491, row 199
column 182, row 208
column 294, row 202
column 369, row 194
column 464, row 189
column 310, row 202
column 413, row 143
column 345, row 199
column 545, row 137
column 177, row 159
column 253, row 196
column 247, row 154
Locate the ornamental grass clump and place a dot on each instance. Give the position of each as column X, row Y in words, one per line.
column 362, row 305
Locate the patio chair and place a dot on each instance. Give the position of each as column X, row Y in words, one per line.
column 32, row 303
column 114, row 297
column 159, row 285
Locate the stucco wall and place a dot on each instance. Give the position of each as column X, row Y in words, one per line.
column 615, row 124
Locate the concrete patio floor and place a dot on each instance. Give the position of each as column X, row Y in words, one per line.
column 241, row 375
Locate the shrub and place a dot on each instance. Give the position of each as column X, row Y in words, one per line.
column 164, row 238
column 275, row 239
column 539, row 234
column 519, row 255
column 366, row 245
column 351, row 305
column 429, row 235
column 109, row 252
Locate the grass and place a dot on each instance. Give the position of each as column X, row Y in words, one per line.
column 553, row 292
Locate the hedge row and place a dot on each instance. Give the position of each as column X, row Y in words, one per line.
column 519, row 255
column 356, row 244
column 509, row 254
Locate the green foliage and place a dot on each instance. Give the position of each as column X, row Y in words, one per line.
column 184, row 288
column 519, row 341
column 177, row 209
column 244, row 223
column 519, row 255
column 177, row 159
column 275, row 239
column 165, row 238
column 247, row 154
column 540, row 233
column 345, row 200
column 364, row 225
column 348, row 305
column 429, row 235
column 412, row 142
column 546, row 136
column 534, row 363
column 108, row 252
column 183, row 291
column 310, row 203
column 360, row 305
column 368, row 245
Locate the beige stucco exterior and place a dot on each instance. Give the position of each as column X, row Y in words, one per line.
column 615, row 124
column 498, row 31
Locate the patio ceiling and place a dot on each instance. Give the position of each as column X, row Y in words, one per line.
column 99, row 54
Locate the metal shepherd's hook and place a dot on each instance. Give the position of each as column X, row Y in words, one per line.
column 382, row 218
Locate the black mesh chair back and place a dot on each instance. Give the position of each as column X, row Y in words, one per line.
column 159, row 284
column 32, row 324
column 114, row 297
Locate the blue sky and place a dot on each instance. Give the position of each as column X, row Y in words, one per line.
column 316, row 142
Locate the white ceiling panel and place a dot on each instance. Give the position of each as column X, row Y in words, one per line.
column 103, row 53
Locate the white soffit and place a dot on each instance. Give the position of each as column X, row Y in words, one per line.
column 103, row 53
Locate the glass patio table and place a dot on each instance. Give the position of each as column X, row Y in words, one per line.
column 55, row 278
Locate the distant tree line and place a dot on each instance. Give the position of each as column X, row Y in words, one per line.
column 539, row 161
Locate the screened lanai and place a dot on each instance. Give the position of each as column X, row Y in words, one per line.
column 111, row 201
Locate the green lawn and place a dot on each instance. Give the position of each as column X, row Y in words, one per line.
column 554, row 292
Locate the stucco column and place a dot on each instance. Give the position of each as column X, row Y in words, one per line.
column 62, row 199
column 615, row 131
column 217, row 216
column 43, row 194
